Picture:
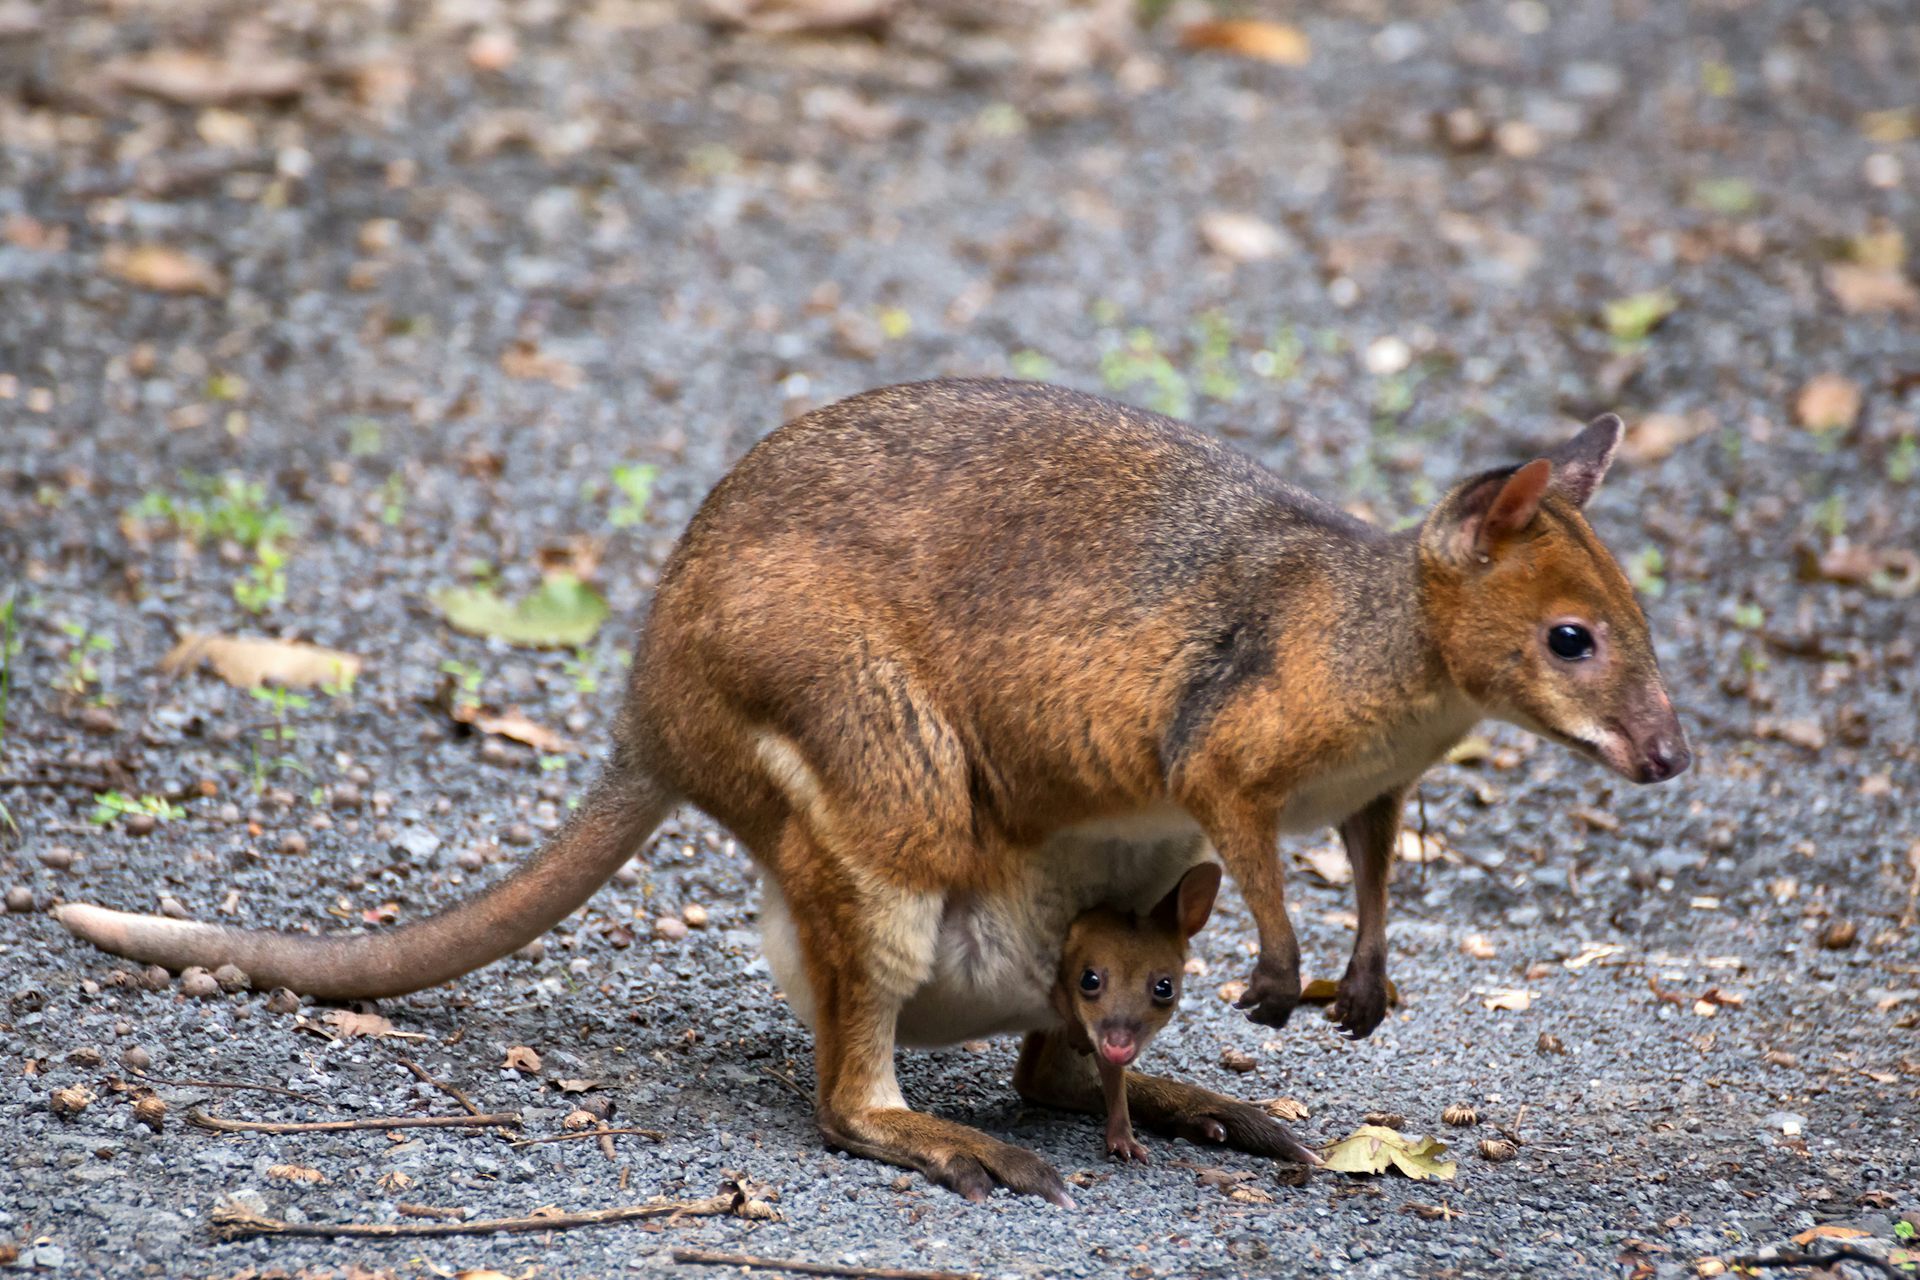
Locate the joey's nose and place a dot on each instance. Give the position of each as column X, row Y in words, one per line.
column 1118, row 1047
column 1667, row 756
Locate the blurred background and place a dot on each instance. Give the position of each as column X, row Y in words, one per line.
column 415, row 329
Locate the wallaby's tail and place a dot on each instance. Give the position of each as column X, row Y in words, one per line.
column 619, row 813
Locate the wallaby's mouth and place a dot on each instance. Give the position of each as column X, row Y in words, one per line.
column 1648, row 758
column 1119, row 1046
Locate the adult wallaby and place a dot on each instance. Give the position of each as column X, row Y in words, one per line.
column 958, row 660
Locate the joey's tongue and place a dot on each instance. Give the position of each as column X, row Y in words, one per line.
column 1118, row 1051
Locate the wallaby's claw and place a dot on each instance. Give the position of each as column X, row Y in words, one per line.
column 1126, row 1149
column 1359, row 1004
column 1272, row 992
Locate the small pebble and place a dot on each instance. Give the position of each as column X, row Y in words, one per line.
column 347, row 796
column 140, row 824
column 170, row 906
column 1238, row 1060
column 19, row 899
column 534, row 952
column 57, row 857
column 694, row 914
column 1550, row 1043
column 136, row 1058
column 518, row 833
column 293, row 843
column 672, row 928
column 1839, row 935
column 198, row 983
column 229, row 814
column 281, row 1000
column 155, row 978
column 99, row 720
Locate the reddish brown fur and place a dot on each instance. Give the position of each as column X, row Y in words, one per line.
column 915, row 636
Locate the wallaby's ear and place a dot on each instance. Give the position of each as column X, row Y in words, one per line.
column 1517, row 503
column 1189, row 903
column 1581, row 463
column 1483, row 511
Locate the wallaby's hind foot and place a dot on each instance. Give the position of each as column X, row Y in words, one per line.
column 946, row 1152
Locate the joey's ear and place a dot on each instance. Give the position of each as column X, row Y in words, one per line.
column 1189, row 903
column 1485, row 510
column 1581, row 463
column 1517, row 503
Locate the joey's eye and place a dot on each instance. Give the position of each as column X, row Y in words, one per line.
column 1090, row 983
column 1163, row 989
column 1570, row 643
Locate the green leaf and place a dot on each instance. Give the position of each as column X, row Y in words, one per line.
column 1632, row 318
column 1374, row 1149
column 563, row 613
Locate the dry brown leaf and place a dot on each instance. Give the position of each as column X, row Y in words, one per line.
column 248, row 661
column 513, row 725
column 580, row 1086
column 296, row 1173
column 788, row 17
column 1477, row 946
column 1325, row 990
column 1412, row 847
column 1241, row 237
column 1514, row 1001
column 1865, row 290
column 526, row 361
column 520, row 1058
column 1232, row 991
column 164, row 270
column 1238, row 1060
column 1328, row 863
column 1830, row 1231
column 1273, row 42
column 350, row 1024
column 1828, row 402
column 1285, row 1108
column 1657, row 435
column 200, row 80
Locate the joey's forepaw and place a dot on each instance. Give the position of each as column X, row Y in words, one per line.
column 1126, row 1148
column 1359, row 1004
column 1272, row 992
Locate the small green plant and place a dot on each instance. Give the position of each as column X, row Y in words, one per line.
column 1831, row 516
column 265, row 582
column 1647, row 571
column 111, row 806
column 1280, row 358
column 1213, row 358
column 632, row 486
column 81, row 672
column 1903, row 464
column 467, row 679
column 1031, row 365
column 582, row 669
column 1631, row 319
column 262, row 767
column 895, row 323
column 1392, row 398
column 1749, row 617
column 219, row 508
column 393, row 500
column 552, row 763
column 1140, row 360
column 365, row 437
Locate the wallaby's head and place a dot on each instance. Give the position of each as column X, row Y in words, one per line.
column 1120, row 973
column 1534, row 618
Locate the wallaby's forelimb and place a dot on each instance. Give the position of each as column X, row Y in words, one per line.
column 1360, row 1002
column 618, row 814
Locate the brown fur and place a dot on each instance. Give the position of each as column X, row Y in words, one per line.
column 916, row 634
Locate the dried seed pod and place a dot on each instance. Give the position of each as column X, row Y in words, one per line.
column 1237, row 1060
column 1550, row 1043
column 151, row 1111
column 1497, row 1149
column 281, row 1000
column 136, row 1058
column 1387, row 1119
column 155, row 978
column 1285, row 1108
column 85, row 1056
column 71, row 1101
column 197, row 982
column 1839, row 935
column 232, row 978
column 577, row 1120
column 1460, row 1115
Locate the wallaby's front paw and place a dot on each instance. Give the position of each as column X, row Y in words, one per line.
column 1124, row 1147
column 1272, row 992
column 1360, row 1001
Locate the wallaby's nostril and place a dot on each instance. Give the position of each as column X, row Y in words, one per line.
column 1667, row 758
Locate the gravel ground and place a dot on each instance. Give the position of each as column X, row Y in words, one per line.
column 463, row 260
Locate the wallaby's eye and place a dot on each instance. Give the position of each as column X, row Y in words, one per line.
column 1570, row 643
column 1163, row 990
column 1090, row 983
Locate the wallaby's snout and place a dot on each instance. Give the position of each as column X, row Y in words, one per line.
column 1654, row 745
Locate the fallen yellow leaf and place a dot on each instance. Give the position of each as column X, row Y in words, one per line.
column 1273, row 42
column 248, row 661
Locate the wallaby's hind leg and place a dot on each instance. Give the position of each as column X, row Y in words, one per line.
column 861, row 943
column 1053, row 1074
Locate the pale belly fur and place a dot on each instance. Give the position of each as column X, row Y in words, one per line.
column 994, row 959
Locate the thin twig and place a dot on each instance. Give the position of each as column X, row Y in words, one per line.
column 590, row 1133
column 790, row 1082
column 430, row 1211
column 1841, row 1253
column 450, row 1090
column 700, row 1257
column 229, row 1084
column 219, row 1125
column 231, row 1222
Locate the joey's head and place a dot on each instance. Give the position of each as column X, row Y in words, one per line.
column 1534, row 618
column 1120, row 973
